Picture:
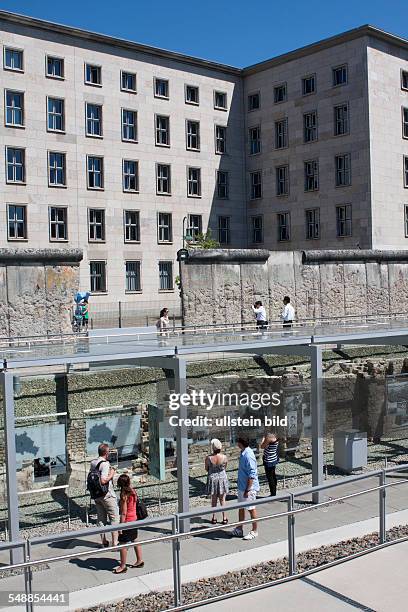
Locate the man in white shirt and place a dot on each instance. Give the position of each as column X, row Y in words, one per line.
column 260, row 315
column 288, row 312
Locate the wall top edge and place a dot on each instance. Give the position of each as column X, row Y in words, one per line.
column 227, row 256
column 16, row 256
column 354, row 255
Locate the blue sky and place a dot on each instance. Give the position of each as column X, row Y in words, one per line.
column 235, row 32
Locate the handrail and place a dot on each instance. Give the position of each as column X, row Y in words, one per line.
column 176, row 536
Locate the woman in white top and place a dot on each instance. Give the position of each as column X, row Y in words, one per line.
column 163, row 324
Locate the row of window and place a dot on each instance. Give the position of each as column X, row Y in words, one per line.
column 341, row 127
column 13, row 59
column 15, row 117
column 342, row 176
column 133, row 276
column 308, row 86
column 58, row 225
column 57, row 174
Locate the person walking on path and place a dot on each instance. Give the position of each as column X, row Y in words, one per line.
column 128, row 514
column 288, row 312
column 248, row 486
column 217, row 481
column 260, row 315
column 100, row 487
column 270, row 447
column 163, row 323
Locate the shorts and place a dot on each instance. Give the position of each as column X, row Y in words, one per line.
column 107, row 510
column 262, row 324
column 251, row 497
column 128, row 535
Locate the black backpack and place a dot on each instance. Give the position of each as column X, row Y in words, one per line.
column 93, row 482
column 141, row 510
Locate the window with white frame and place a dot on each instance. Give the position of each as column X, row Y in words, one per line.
column 14, row 111
column 404, row 80
column 405, row 170
column 283, row 226
column 133, row 276
column 255, row 185
column 166, row 275
column 161, row 88
column 280, row 93
column 17, row 222
column 130, row 169
column 56, row 169
column 193, row 182
column 192, row 135
column 131, row 219
column 13, row 59
column 54, row 67
column 129, row 125
column 405, row 122
column 128, row 81
column 93, row 119
column 15, row 165
column 222, row 185
column 164, row 227
column 194, row 227
column 343, row 170
column 281, row 134
column 58, row 220
column 340, row 75
column 93, row 75
column 220, row 139
column 97, row 273
column 341, row 119
column 96, row 225
column 255, row 140
column 162, row 131
column 192, row 94
column 55, row 115
column 406, row 220
column 95, row 172
column 282, row 180
column 224, row 232
column 311, row 170
column 343, row 220
column 313, row 224
column 254, row 101
column 310, row 126
column 257, row 229
column 220, row 100
column 308, row 84
column 163, row 179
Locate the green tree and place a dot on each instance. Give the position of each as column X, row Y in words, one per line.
column 203, row 241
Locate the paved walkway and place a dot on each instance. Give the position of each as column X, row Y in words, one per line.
column 90, row 579
column 349, row 586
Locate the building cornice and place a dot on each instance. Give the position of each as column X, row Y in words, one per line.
column 350, row 35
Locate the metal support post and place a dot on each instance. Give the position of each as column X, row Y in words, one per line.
column 120, row 315
column 317, row 407
column 291, row 538
column 382, row 493
column 16, row 556
column 183, row 483
column 176, row 564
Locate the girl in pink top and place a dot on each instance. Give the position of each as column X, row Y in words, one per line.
column 128, row 500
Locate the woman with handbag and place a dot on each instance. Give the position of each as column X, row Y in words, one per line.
column 128, row 514
column 270, row 445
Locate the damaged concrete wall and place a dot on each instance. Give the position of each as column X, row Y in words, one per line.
column 36, row 290
column 219, row 286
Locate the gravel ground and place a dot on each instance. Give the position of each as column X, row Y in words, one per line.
column 251, row 576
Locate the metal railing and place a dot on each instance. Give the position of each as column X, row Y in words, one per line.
column 177, row 535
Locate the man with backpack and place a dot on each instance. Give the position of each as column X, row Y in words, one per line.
column 100, row 487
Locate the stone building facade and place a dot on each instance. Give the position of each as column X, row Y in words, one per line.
column 122, row 150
